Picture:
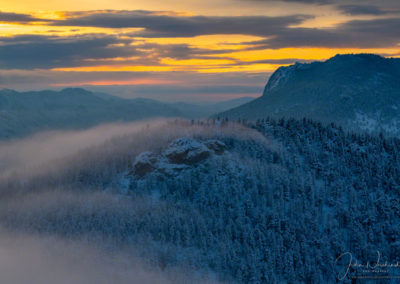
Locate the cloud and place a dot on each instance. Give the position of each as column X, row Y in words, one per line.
column 31, row 52
column 362, row 10
column 47, row 52
column 37, row 51
column 352, row 34
column 61, row 230
column 311, row 2
column 349, row 7
column 331, row 2
column 156, row 25
column 40, row 149
column 382, row 3
column 18, row 18
column 278, row 31
column 277, row 61
column 26, row 258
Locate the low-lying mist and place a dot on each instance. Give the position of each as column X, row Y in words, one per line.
column 48, row 146
column 65, row 219
column 71, row 237
column 96, row 156
column 36, row 259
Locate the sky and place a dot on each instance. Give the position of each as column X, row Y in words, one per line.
column 174, row 50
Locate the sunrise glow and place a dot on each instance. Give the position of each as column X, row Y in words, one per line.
column 68, row 43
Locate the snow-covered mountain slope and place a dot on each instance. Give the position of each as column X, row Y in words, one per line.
column 74, row 108
column 26, row 113
column 359, row 92
column 276, row 202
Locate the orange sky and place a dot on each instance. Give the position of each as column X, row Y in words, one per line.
column 60, row 43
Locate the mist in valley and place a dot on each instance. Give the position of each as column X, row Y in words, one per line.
column 63, row 206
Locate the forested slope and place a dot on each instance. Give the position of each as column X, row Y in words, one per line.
column 273, row 202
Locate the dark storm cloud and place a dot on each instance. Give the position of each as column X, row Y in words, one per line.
column 18, row 18
column 34, row 51
column 176, row 26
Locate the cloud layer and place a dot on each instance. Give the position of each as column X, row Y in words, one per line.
column 126, row 47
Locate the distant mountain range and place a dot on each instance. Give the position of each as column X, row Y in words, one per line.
column 359, row 92
column 74, row 108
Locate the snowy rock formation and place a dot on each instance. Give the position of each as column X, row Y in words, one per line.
column 179, row 155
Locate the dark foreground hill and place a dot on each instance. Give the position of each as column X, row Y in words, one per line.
column 275, row 203
column 359, row 92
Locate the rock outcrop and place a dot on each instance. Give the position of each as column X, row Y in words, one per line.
column 179, row 155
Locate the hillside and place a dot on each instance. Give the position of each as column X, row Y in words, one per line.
column 277, row 202
column 25, row 113
column 359, row 92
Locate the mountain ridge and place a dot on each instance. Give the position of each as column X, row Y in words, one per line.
column 24, row 113
column 357, row 91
